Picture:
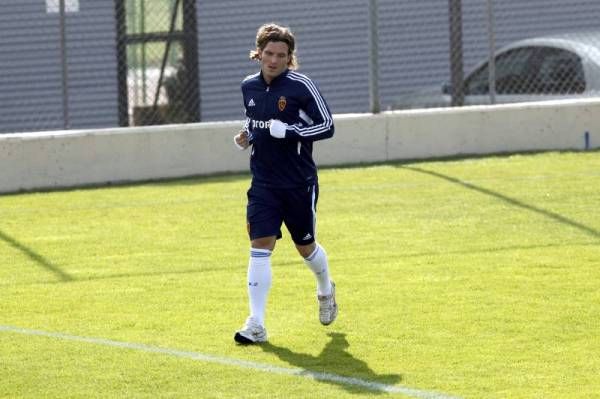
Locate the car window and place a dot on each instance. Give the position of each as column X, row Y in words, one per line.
column 531, row 70
column 513, row 73
column 559, row 72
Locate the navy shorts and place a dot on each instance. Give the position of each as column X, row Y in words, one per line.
column 268, row 208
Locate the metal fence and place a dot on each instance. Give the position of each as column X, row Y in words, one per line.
column 73, row 64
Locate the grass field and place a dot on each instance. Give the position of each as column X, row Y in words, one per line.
column 472, row 278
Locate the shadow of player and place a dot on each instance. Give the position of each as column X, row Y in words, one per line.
column 335, row 361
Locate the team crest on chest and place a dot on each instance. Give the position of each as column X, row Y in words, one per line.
column 281, row 103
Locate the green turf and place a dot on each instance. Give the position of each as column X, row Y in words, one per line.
column 474, row 278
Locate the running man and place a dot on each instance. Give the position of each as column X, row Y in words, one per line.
column 285, row 114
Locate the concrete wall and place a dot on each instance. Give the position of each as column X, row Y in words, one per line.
column 75, row 158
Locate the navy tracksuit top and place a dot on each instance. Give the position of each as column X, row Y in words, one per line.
column 295, row 100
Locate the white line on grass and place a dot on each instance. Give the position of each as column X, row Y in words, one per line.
column 298, row 372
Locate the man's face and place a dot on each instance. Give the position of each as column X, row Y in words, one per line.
column 274, row 59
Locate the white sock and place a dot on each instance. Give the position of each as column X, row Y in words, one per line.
column 317, row 262
column 259, row 282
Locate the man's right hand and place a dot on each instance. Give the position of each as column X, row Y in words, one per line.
column 241, row 140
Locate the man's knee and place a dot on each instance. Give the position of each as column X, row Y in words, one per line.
column 306, row 250
column 264, row 243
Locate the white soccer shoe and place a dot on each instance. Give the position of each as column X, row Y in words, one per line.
column 328, row 308
column 251, row 333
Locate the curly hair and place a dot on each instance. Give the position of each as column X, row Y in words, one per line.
column 272, row 32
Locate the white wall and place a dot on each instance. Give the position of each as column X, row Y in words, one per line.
column 34, row 161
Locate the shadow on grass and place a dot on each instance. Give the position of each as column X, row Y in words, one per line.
column 120, row 276
column 334, row 359
column 192, row 180
column 444, row 252
column 548, row 214
column 223, row 177
column 34, row 256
